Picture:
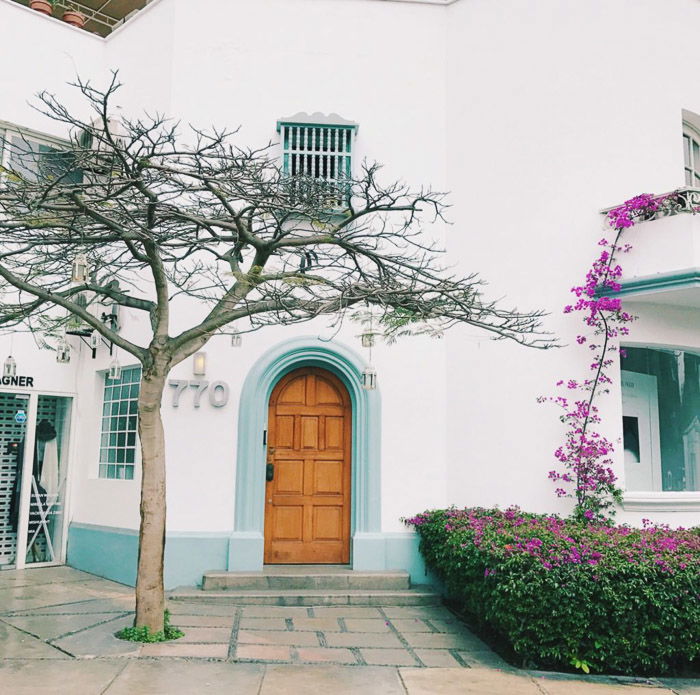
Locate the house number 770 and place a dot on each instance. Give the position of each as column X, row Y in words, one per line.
column 218, row 391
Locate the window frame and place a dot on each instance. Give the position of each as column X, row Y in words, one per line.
column 7, row 129
column 328, row 160
column 655, row 500
column 103, row 467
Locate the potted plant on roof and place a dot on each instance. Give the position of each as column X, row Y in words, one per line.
column 43, row 6
column 74, row 17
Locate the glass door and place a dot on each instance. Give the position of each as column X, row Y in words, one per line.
column 13, row 430
column 45, row 522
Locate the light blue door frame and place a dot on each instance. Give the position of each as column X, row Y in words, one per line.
column 368, row 547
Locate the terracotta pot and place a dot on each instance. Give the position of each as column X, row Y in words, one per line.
column 74, row 18
column 41, row 6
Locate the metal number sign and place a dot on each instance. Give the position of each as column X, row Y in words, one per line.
column 218, row 391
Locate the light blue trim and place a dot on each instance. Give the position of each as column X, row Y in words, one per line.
column 112, row 553
column 688, row 279
column 391, row 551
column 247, row 542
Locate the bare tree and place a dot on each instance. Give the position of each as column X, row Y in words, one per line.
column 220, row 223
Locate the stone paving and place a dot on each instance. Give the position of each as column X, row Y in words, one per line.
column 57, row 636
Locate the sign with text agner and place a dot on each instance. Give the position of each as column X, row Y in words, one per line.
column 26, row 381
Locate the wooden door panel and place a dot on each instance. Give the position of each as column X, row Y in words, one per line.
column 307, row 508
column 327, row 523
column 328, row 477
column 334, row 432
column 284, row 433
column 309, row 432
column 289, row 522
column 289, row 477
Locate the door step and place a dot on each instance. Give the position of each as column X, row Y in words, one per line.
column 308, row 578
column 309, row 597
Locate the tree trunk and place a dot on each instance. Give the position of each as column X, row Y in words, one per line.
column 150, row 594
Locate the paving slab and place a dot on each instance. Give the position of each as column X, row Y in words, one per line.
column 429, row 612
column 45, row 575
column 467, row 681
column 115, row 605
column 203, row 621
column 53, row 677
column 47, row 627
column 339, row 680
column 437, row 658
column 325, row 655
column 206, row 634
column 263, row 652
column 475, row 658
column 363, row 639
column 411, row 625
column 292, row 638
column 263, row 624
column 169, row 677
column 388, row 657
column 367, row 625
column 448, row 625
column 556, row 685
column 346, row 612
column 275, row 612
column 318, row 624
column 15, row 644
column 184, row 649
column 100, row 641
column 196, row 608
column 439, row 640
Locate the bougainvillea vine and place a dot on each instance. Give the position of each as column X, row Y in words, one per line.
column 585, row 472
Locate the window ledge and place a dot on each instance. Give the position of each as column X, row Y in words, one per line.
column 662, row 501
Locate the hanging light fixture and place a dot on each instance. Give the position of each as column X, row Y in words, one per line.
column 63, row 352
column 236, row 339
column 115, row 370
column 369, row 378
column 368, row 335
column 80, row 269
column 10, row 367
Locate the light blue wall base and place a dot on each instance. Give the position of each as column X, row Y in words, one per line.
column 245, row 551
column 112, row 553
column 390, row 551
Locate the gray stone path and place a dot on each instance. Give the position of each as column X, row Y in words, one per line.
column 57, row 636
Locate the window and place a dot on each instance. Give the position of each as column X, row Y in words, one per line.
column 33, row 156
column 661, row 419
column 317, row 154
column 119, row 423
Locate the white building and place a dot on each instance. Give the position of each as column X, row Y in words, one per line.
column 535, row 116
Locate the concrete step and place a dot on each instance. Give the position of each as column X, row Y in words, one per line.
column 289, row 579
column 422, row 596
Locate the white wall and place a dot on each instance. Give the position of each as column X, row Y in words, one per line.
column 533, row 115
column 555, row 110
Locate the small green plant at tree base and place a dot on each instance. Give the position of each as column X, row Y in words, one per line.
column 143, row 634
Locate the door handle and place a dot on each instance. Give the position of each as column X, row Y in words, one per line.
column 269, row 472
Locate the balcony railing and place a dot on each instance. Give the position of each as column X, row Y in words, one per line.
column 103, row 16
column 663, row 265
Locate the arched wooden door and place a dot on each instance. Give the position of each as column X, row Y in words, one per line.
column 307, row 500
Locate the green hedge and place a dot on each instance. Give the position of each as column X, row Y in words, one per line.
column 564, row 595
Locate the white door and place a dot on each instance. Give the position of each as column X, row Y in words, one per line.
column 640, row 413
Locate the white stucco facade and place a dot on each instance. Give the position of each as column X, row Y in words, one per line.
column 534, row 116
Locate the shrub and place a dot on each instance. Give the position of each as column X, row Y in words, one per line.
column 564, row 594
